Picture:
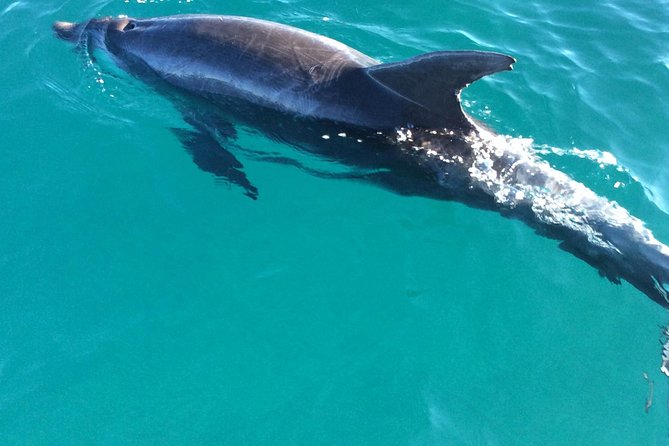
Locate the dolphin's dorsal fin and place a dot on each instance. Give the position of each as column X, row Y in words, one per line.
column 434, row 80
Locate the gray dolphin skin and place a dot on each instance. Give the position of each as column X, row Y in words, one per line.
column 399, row 125
column 286, row 68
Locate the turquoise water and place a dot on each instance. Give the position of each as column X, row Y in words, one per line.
column 143, row 303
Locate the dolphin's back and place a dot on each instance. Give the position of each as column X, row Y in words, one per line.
column 264, row 62
column 289, row 69
column 286, row 45
column 305, row 57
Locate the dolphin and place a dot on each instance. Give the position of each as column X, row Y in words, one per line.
column 399, row 124
column 286, row 68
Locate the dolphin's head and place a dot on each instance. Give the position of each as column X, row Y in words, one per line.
column 69, row 31
column 93, row 30
column 121, row 37
column 113, row 34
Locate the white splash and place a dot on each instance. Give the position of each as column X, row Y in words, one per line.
column 664, row 368
column 510, row 171
column 597, row 156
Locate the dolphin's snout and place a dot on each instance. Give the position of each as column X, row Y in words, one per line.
column 67, row 30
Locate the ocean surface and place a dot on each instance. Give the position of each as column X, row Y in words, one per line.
column 144, row 303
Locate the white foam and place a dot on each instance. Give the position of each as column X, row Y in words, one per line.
column 510, row 171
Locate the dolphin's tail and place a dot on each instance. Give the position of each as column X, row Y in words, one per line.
column 658, row 285
column 432, row 83
column 631, row 254
column 649, row 264
column 591, row 227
